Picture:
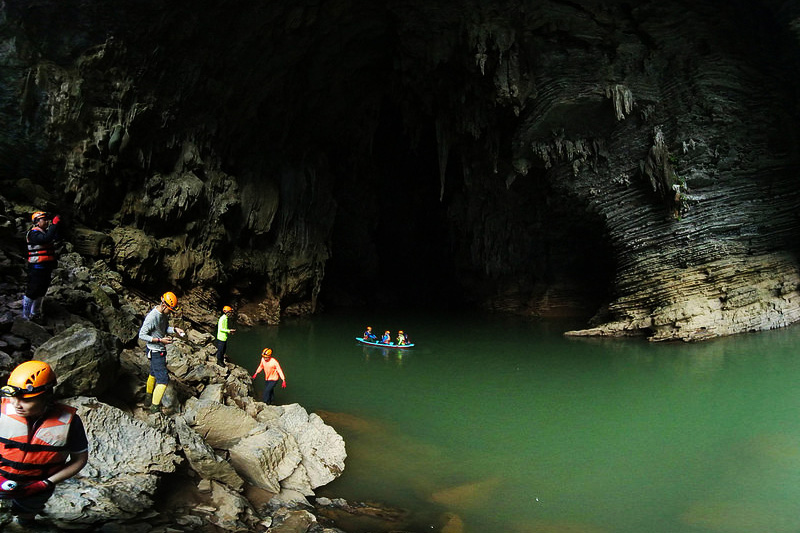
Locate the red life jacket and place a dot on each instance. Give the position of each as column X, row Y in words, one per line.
column 39, row 253
column 46, row 452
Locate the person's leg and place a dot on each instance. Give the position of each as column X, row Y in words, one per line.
column 26, row 509
column 38, row 283
column 269, row 389
column 158, row 368
column 221, row 352
column 26, row 307
column 37, row 309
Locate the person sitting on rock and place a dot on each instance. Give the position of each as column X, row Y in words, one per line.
column 369, row 336
column 41, row 262
column 154, row 331
column 387, row 337
column 272, row 372
column 42, row 443
column 222, row 334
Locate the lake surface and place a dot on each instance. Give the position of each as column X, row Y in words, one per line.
column 507, row 426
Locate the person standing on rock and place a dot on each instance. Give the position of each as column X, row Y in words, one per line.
column 41, row 262
column 222, row 334
column 42, row 443
column 272, row 372
column 155, row 332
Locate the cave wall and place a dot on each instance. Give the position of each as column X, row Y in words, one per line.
column 632, row 158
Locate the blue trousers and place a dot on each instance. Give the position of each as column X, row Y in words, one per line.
column 269, row 392
column 158, row 366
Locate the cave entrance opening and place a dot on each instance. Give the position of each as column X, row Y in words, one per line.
column 390, row 244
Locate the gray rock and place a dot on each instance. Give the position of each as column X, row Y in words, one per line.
column 126, row 461
column 202, row 458
column 322, row 448
column 220, row 425
column 85, row 359
column 30, row 330
column 264, row 459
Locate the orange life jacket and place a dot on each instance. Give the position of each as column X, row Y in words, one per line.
column 39, row 253
column 46, row 451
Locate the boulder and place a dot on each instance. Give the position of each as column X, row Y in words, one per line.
column 202, row 458
column 126, row 461
column 232, row 512
column 322, row 448
column 30, row 330
column 221, row 426
column 85, row 359
column 264, row 459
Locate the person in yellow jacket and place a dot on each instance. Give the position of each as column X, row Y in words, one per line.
column 272, row 372
column 222, row 334
column 42, row 443
column 156, row 331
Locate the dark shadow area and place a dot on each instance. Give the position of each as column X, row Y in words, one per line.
column 390, row 236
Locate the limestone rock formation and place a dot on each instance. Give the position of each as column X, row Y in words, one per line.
column 632, row 161
column 126, row 462
column 85, row 359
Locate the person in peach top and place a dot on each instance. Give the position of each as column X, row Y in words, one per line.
column 272, row 373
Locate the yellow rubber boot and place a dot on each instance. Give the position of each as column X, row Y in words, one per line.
column 151, row 382
column 158, row 393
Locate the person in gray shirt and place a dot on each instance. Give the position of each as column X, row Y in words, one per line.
column 155, row 332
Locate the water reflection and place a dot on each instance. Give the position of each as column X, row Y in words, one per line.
column 387, row 355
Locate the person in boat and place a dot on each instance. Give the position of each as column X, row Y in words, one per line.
column 402, row 338
column 42, row 442
column 387, row 337
column 369, row 336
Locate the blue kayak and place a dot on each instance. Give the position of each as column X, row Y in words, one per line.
column 380, row 345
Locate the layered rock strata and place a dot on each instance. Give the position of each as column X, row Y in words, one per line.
column 635, row 162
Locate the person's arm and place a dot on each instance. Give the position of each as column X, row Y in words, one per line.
column 43, row 237
column 148, row 326
column 76, row 462
column 260, row 366
column 280, row 373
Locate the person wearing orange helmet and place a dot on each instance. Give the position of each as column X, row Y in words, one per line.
column 42, row 443
column 155, row 332
column 41, row 262
column 222, row 334
column 272, row 373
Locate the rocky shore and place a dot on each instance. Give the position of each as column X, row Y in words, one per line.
column 215, row 460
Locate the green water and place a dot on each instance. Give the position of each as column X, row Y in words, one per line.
column 514, row 428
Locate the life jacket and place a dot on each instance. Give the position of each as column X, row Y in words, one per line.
column 40, row 253
column 46, row 452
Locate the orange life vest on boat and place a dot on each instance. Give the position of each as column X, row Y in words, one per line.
column 45, row 453
column 40, row 253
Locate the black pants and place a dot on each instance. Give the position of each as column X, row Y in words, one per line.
column 221, row 347
column 269, row 392
column 38, row 280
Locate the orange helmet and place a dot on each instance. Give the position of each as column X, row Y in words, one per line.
column 30, row 379
column 227, row 309
column 266, row 352
column 170, row 300
column 37, row 215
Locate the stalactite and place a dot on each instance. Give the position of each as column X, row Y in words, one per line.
column 623, row 100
